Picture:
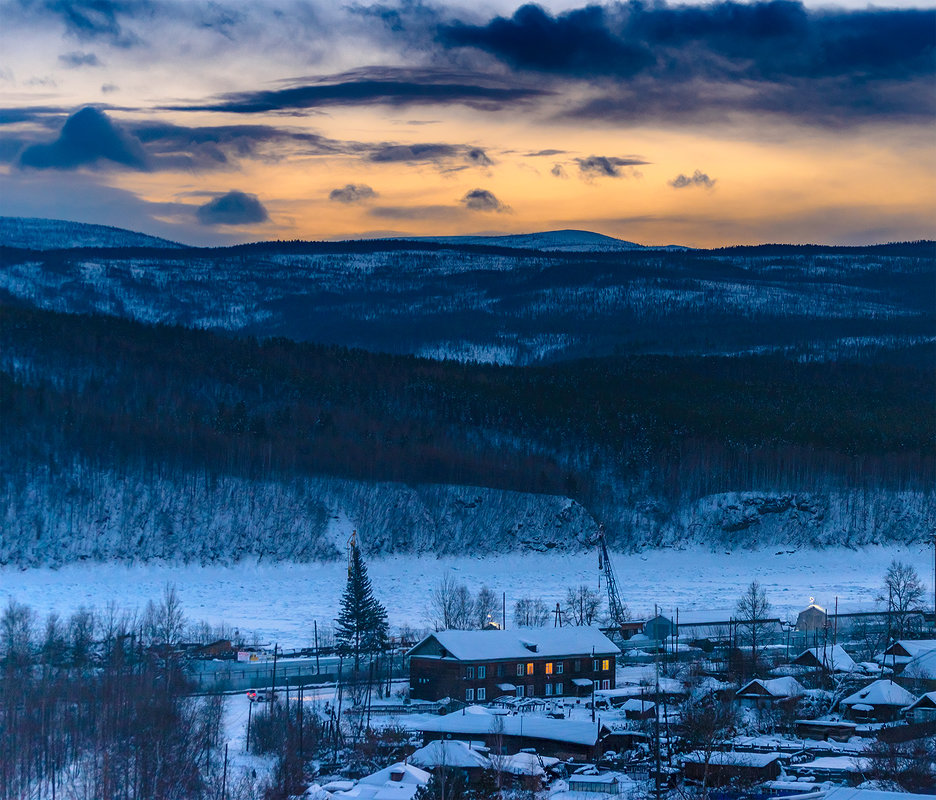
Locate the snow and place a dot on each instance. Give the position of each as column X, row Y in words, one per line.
column 847, row 793
column 522, row 643
column 280, row 601
column 834, row 656
column 880, row 693
column 776, row 687
column 448, row 753
column 531, row 727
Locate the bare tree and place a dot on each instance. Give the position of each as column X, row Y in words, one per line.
column 583, row 604
column 485, row 607
column 451, row 606
column 752, row 610
column 903, row 593
column 705, row 724
column 530, row 612
column 17, row 625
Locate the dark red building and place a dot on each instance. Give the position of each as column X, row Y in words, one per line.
column 477, row 666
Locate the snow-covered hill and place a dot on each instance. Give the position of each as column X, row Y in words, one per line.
column 564, row 241
column 34, row 233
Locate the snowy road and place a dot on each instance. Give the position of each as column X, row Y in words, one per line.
column 280, row 601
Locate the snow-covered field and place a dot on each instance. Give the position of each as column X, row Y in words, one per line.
column 280, row 601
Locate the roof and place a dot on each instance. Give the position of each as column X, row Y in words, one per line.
column 557, row 730
column 411, row 775
column 880, row 693
column 638, row 705
column 911, row 647
column 449, row 753
column 832, row 657
column 847, row 793
column 732, row 759
column 927, row 700
column 520, row 643
column 922, row 666
column 776, row 687
column 526, row 764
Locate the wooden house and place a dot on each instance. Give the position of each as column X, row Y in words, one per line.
column 881, row 701
column 769, row 693
column 813, row 617
column 922, row 710
column 452, row 754
column 723, row 768
column 827, row 658
column 478, row 666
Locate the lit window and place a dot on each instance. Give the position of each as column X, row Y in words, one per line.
column 482, row 672
column 469, row 694
column 548, row 689
column 606, row 664
column 519, row 669
column 482, row 694
column 529, row 668
column 559, row 667
column 558, row 688
column 549, row 667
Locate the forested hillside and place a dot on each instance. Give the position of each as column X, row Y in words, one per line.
column 127, row 440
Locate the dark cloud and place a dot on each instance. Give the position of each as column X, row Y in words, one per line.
column 352, row 193
column 545, row 153
column 431, row 152
column 376, row 86
column 698, row 178
column 88, row 138
column 95, row 19
column 233, row 208
column 483, row 200
column 606, row 166
column 825, row 66
column 41, row 114
column 79, row 59
column 558, row 171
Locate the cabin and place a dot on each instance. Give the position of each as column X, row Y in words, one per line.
column 922, row 710
column 731, row 767
column 769, row 693
column 920, row 672
column 479, row 666
column 902, row 652
column 827, row 658
column 452, row 754
column 635, row 709
column 881, row 701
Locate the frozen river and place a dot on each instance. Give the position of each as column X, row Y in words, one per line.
column 281, row 601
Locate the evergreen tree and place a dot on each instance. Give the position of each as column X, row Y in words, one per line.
column 361, row 627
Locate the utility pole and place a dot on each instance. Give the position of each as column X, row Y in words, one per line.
column 273, row 687
column 315, row 628
column 224, row 775
column 249, row 714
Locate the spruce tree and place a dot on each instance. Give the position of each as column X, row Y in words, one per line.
column 361, row 626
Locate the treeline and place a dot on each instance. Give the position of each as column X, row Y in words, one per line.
column 119, row 392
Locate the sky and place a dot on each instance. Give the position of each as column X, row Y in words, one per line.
column 656, row 122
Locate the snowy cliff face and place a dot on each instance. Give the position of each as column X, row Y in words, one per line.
column 55, row 516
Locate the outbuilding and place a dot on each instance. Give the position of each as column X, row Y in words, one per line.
column 880, row 701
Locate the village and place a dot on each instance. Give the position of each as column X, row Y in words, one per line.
column 723, row 704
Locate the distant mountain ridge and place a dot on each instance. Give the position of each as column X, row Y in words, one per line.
column 37, row 233
column 564, row 241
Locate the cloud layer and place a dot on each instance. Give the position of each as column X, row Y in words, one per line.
column 233, row 208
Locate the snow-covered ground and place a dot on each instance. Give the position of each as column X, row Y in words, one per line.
column 280, row 601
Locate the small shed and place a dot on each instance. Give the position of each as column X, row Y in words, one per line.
column 637, row 709
column 768, row 693
column 726, row 767
column 922, row 710
column 828, row 658
column 604, row 783
column 658, row 628
column 880, row 701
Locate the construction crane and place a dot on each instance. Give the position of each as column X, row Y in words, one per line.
column 617, row 611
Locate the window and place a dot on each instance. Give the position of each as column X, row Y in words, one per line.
column 469, row 695
column 519, row 691
column 577, row 665
column 500, row 670
column 519, row 669
column 549, row 669
column 482, row 672
column 596, row 665
column 606, row 664
column 606, row 684
column 469, row 673
column 558, row 688
column 481, row 694
column 529, row 668
column 559, row 665
column 548, row 689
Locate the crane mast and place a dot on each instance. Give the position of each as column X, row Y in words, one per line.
column 616, row 608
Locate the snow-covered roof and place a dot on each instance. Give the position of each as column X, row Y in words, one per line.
column 522, row 643
column 637, row 705
column 848, row 793
column 910, row 647
column 921, row 666
column 927, row 700
column 449, row 753
column 557, row 730
column 724, row 758
column 880, row 693
column 831, row 764
column 382, row 786
column 409, row 774
column 832, row 657
column 775, row 687
column 526, row 764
